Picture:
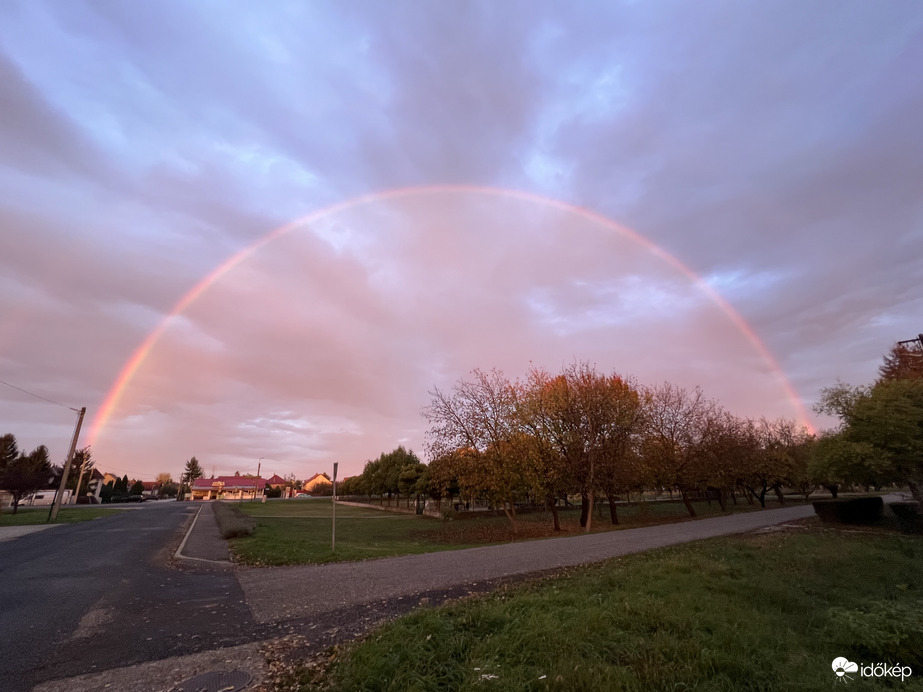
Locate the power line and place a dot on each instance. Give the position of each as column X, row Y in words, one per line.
column 38, row 396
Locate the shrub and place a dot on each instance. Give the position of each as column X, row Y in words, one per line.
column 850, row 510
column 909, row 516
column 232, row 522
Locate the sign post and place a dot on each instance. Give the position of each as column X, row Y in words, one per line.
column 333, row 505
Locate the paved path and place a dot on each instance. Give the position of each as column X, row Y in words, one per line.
column 299, row 592
column 204, row 541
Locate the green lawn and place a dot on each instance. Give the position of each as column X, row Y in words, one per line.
column 761, row 612
column 294, row 532
column 39, row 515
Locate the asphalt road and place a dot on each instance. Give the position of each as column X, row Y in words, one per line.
column 102, row 595
column 97, row 595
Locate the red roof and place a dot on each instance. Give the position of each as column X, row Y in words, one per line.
column 277, row 480
column 229, row 483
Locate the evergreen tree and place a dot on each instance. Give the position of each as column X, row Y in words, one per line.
column 193, row 470
column 25, row 473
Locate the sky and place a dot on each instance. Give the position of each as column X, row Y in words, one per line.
column 263, row 233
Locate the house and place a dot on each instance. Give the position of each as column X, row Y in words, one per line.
column 227, row 488
column 95, row 483
column 276, row 481
column 314, row 481
column 151, row 489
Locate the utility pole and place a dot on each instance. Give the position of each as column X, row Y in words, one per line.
column 918, row 340
column 59, row 495
column 333, row 505
column 257, row 486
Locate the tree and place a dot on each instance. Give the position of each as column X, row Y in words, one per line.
column 193, row 470
column 25, row 473
column 81, row 469
column 475, row 424
column 880, row 439
column 164, row 478
column 775, row 461
column 672, row 445
column 169, row 489
column 9, row 450
column 902, row 362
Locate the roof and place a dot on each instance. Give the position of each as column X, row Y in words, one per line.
column 277, row 480
column 229, row 483
column 318, row 475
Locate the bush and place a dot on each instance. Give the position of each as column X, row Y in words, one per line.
column 850, row 510
column 909, row 516
column 232, row 522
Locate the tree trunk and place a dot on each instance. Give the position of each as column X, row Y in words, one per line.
column 689, row 507
column 589, row 516
column 916, row 491
column 613, row 511
column 510, row 510
column 722, row 501
column 733, row 496
column 553, row 504
column 762, row 496
column 778, row 490
column 584, row 509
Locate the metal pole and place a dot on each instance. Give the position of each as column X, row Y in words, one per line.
column 59, row 494
column 333, row 509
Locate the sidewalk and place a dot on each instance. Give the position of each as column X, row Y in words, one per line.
column 203, row 541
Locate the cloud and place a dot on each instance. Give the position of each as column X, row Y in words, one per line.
column 772, row 149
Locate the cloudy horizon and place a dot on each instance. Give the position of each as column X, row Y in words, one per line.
column 462, row 185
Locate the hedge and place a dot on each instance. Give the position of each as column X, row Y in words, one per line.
column 850, row 510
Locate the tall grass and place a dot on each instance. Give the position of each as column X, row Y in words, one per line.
column 232, row 523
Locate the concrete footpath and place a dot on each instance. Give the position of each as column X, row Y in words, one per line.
column 203, row 541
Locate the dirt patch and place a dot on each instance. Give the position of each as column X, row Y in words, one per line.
column 886, row 526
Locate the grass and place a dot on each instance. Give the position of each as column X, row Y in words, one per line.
column 296, row 532
column 232, row 522
column 39, row 515
column 762, row 612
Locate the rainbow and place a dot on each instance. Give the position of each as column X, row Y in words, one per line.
column 134, row 363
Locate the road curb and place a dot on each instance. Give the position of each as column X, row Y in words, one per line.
column 179, row 551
